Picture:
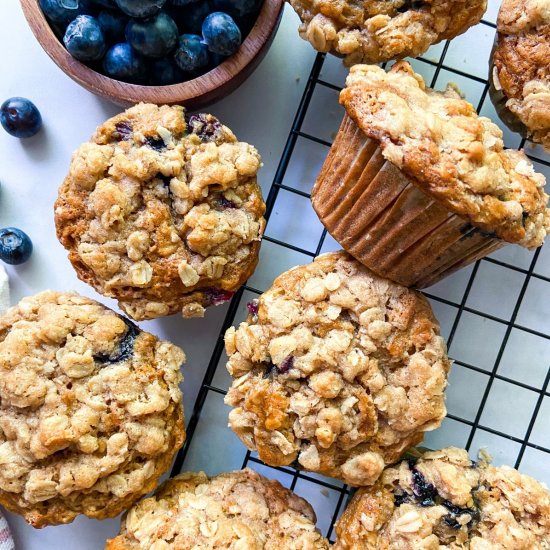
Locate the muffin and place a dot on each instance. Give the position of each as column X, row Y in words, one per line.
column 90, row 409
column 336, row 371
column 444, row 500
column 416, row 185
column 162, row 213
column 240, row 510
column 520, row 74
column 380, row 30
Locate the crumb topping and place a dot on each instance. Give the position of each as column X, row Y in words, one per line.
column 380, row 30
column 438, row 140
column 90, row 409
column 336, row 370
column 162, row 214
column 520, row 64
column 239, row 510
column 444, row 500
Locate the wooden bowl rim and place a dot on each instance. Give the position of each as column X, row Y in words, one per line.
column 183, row 92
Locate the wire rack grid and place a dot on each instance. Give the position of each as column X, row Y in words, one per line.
column 494, row 315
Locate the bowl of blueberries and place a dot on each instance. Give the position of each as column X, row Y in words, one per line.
column 189, row 52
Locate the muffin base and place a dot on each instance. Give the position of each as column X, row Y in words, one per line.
column 383, row 219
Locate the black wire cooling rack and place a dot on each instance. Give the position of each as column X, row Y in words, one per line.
column 470, row 424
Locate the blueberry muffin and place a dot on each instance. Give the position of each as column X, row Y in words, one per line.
column 240, row 510
column 520, row 73
column 90, row 409
column 444, row 500
column 161, row 212
column 380, row 30
column 336, row 371
column 417, row 185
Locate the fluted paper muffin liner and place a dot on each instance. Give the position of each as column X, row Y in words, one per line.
column 381, row 217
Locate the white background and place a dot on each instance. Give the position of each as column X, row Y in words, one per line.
column 261, row 112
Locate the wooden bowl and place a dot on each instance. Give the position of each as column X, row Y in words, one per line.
column 194, row 94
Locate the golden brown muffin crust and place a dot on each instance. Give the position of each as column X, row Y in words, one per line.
column 445, row 501
column 90, row 409
column 521, row 68
column 162, row 214
column 338, row 369
column 438, row 140
column 240, row 510
column 380, row 30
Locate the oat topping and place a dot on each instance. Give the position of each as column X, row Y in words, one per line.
column 443, row 500
column 336, row 370
column 239, row 510
column 520, row 69
column 90, row 409
column 438, row 140
column 380, row 30
column 161, row 214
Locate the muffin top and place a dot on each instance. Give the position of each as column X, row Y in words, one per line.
column 90, row 409
column 380, row 30
column 240, row 510
column 444, row 500
column 521, row 70
column 438, row 140
column 336, row 370
column 163, row 214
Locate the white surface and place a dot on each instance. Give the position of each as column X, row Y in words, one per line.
column 4, row 290
column 261, row 112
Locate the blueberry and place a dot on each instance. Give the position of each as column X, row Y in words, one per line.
column 192, row 54
column 106, row 3
column 165, row 72
column 84, row 39
column 237, row 7
column 191, row 17
column 122, row 62
column 154, row 37
column 113, row 25
column 20, row 117
column 182, row 2
column 221, row 34
column 140, row 8
column 125, row 347
column 206, row 126
column 15, row 246
column 62, row 12
column 216, row 296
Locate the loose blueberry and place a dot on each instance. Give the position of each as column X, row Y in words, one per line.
column 140, row 8
column 181, row 2
column 207, row 127
column 62, row 12
column 154, row 37
column 20, row 117
column 15, row 246
column 84, row 39
column 237, row 7
column 192, row 54
column 165, row 72
column 122, row 62
column 221, row 34
column 106, row 3
column 113, row 25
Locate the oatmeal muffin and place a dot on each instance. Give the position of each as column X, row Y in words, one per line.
column 336, row 371
column 417, row 185
column 380, row 30
column 90, row 409
column 444, row 500
column 162, row 213
column 238, row 510
column 520, row 70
